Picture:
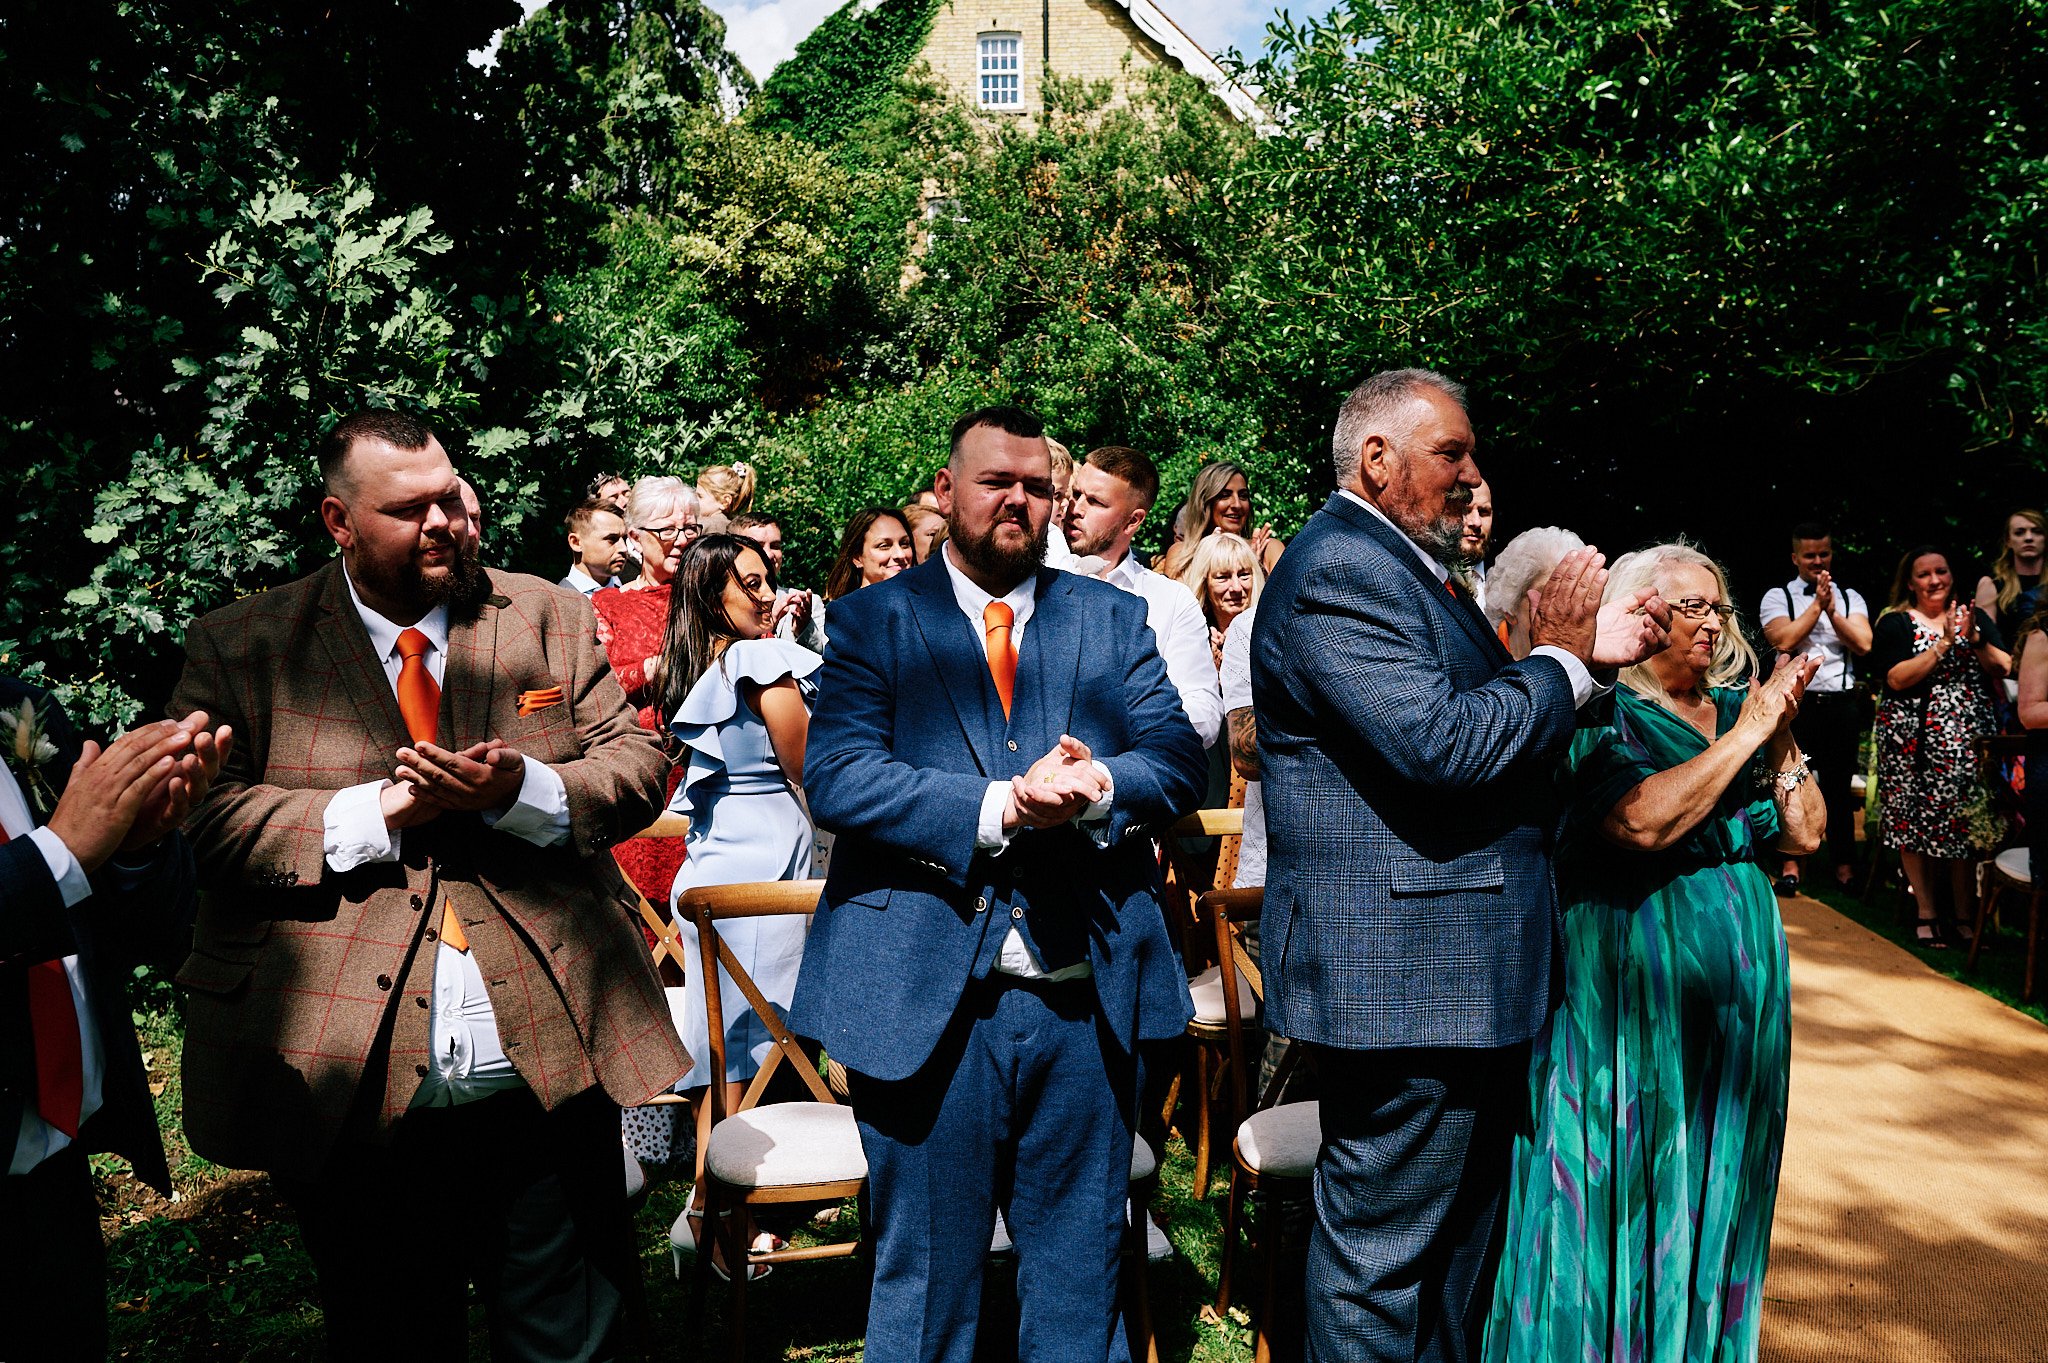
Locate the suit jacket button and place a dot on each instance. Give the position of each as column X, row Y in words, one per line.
column 981, row 903
column 384, row 982
column 432, row 935
column 1017, row 913
column 420, row 1070
column 419, row 902
column 1012, row 745
column 421, row 1000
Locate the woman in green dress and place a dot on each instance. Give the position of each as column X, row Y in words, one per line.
column 1639, row 1214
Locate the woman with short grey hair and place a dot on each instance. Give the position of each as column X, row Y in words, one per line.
column 1524, row 561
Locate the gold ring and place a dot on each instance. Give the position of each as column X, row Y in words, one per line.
column 1046, row 779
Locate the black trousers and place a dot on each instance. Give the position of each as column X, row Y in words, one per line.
column 1827, row 730
column 1409, row 1190
column 53, row 1268
column 529, row 1205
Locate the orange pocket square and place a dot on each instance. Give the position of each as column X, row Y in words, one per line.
column 532, row 702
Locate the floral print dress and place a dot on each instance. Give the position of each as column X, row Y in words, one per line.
column 1926, row 738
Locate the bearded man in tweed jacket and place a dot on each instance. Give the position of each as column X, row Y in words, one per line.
column 417, row 996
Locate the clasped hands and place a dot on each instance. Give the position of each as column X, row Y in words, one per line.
column 1568, row 614
column 431, row 781
column 138, row 788
column 1058, row 787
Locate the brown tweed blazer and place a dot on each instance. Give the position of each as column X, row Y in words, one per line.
column 310, row 989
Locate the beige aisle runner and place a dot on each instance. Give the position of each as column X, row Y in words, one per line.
column 1913, row 1214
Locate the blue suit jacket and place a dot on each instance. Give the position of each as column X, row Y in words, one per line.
column 125, row 921
column 906, row 736
column 1410, row 801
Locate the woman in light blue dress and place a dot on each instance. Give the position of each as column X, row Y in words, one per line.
column 740, row 704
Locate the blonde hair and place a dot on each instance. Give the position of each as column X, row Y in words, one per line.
column 1734, row 660
column 2002, row 570
column 1062, row 459
column 653, row 498
column 916, row 516
column 1523, row 560
column 1222, row 550
column 1191, row 523
column 731, row 486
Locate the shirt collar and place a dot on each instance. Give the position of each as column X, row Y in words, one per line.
column 384, row 634
column 1127, row 573
column 1436, row 565
column 585, row 583
column 972, row 600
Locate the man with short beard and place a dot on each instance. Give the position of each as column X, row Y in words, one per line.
column 415, row 994
column 1408, row 765
column 1475, row 534
column 993, row 742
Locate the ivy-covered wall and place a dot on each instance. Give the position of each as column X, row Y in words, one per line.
column 844, row 72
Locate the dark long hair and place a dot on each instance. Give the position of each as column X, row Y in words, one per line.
column 1902, row 578
column 698, row 630
column 845, row 574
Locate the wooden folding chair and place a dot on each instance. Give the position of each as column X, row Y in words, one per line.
column 762, row 1155
column 1275, row 1149
column 1208, row 1030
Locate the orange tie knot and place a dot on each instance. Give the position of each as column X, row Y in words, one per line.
column 413, row 644
column 997, row 615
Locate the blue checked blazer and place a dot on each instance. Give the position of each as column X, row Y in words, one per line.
column 1410, row 800
column 905, row 738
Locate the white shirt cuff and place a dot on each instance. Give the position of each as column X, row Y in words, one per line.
column 1099, row 810
column 988, row 833
column 1584, row 687
column 64, row 868
column 541, row 813
column 355, row 834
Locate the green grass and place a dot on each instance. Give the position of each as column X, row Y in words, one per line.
column 219, row 1273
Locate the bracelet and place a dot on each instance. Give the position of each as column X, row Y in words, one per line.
column 1785, row 782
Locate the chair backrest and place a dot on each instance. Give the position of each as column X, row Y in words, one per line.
column 707, row 905
column 1191, row 873
column 668, row 944
column 1228, row 910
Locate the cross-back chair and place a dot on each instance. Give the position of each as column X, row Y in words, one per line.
column 1202, row 947
column 760, row 1154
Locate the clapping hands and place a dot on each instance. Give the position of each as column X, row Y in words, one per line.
column 1568, row 614
column 1773, row 702
column 138, row 788
column 1058, row 787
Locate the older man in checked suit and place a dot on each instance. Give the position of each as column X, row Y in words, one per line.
column 1410, row 910
column 417, row 997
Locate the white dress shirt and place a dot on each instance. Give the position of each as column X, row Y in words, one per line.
column 1837, row 664
column 466, row 1058
column 1181, row 633
column 1016, row 957
column 1236, row 680
column 578, row 580
column 37, row 1140
column 1584, row 688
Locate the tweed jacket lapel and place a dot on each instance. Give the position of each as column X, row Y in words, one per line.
column 961, row 659
column 1458, row 608
column 356, row 663
column 1047, row 664
column 469, row 682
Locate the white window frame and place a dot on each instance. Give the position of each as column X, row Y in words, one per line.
column 999, row 71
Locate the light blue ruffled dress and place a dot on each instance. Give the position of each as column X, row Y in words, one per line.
column 745, row 825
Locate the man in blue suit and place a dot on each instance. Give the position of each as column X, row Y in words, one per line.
column 1410, row 909
column 992, row 741
column 93, row 880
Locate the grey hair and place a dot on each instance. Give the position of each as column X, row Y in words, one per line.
column 1524, row 561
column 653, row 498
column 1372, row 405
column 1734, row 659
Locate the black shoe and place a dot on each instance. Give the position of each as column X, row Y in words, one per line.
column 1786, row 886
column 1928, row 936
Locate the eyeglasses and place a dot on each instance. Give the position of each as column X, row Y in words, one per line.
column 1698, row 608
column 668, row 534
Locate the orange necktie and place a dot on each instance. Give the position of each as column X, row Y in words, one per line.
column 996, row 619
column 60, row 1055
column 419, row 703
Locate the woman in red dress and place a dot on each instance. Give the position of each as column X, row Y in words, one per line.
column 661, row 520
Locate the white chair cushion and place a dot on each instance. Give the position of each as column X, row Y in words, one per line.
column 784, row 1144
column 1142, row 1163
column 1282, row 1141
column 1207, row 989
column 2015, row 862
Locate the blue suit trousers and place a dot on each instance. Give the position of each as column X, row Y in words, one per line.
column 1027, row 1106
column 1408, row 1194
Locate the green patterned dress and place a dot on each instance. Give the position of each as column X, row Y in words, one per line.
column 1639, row 1214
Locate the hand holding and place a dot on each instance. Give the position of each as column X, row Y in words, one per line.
column 109, row 789
column 1567, row 605
column 483, row 776
column 1631, row 629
